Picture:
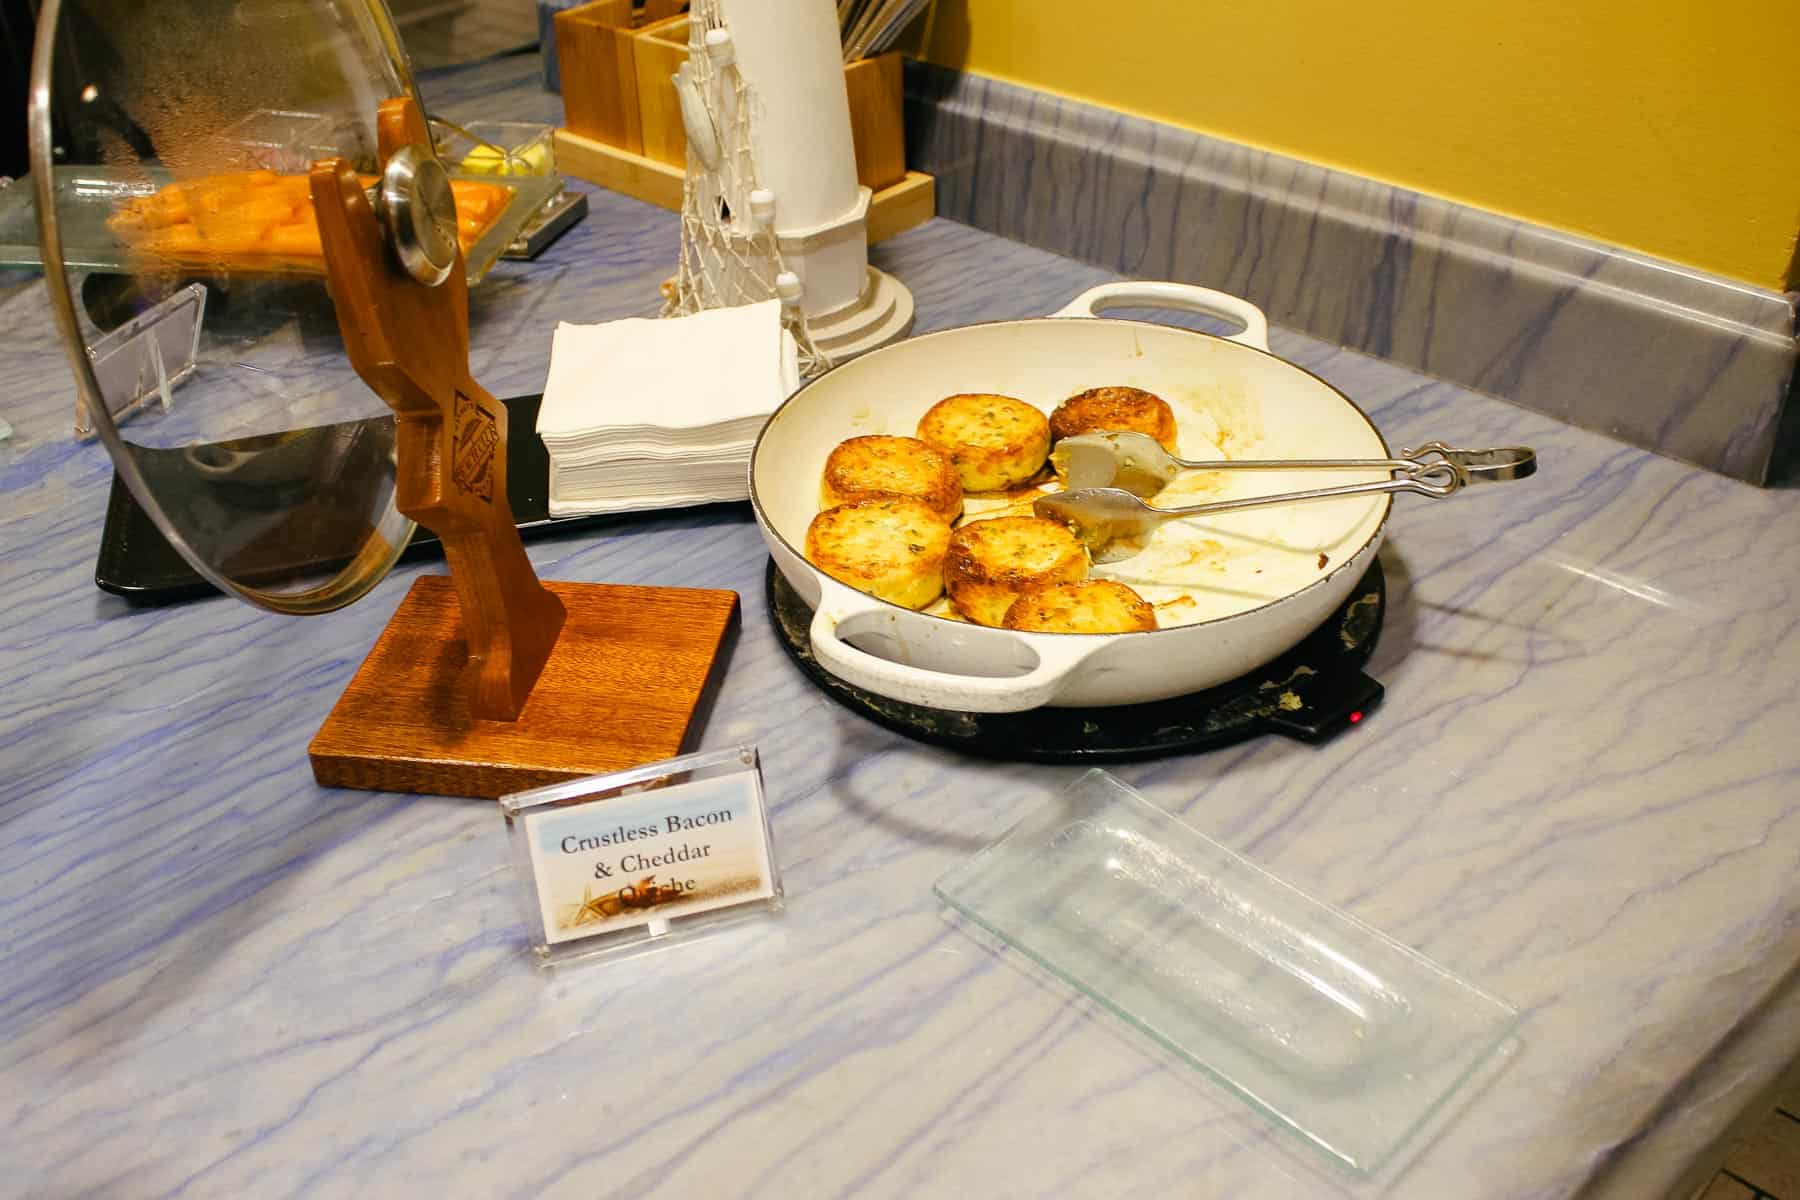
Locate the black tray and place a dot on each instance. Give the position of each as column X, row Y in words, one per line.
column 138, row 563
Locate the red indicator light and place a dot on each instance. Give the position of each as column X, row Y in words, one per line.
column 1355, row 715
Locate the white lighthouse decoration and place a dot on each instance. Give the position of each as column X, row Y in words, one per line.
column 771, row 206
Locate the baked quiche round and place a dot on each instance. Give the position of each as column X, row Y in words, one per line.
column 990, row 564
column 996, row 442
column 891, row 547
column 1115, row 408
column 865, row 468
column 1092, row 606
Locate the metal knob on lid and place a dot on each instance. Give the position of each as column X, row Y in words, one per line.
column 418, row 212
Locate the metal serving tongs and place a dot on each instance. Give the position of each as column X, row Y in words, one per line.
column 1114, row 522
column 1138, row 463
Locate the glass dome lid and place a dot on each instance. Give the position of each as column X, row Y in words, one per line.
column 170, row 144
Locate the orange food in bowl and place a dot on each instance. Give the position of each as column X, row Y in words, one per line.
column 258, row 219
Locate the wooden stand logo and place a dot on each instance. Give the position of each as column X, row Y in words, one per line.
column 472, row 448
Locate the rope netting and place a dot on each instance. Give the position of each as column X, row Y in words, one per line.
column 730, row 254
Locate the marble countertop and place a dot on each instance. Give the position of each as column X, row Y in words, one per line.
column 1582, row 792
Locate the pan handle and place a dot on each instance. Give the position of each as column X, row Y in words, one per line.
column 1057, row 659
column 1183, row 296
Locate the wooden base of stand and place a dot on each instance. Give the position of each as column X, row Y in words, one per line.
column 894, row 209
column 632, row 669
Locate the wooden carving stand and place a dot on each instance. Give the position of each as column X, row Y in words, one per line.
column 488, row 682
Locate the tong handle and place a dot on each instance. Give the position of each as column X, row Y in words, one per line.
column 1495, row 465
column 1417, row 471
column 1441, row 483
column 1431, row 461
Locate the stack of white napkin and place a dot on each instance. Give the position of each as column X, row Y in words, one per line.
column 644, row 414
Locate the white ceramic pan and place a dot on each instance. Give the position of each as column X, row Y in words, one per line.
column 1232, row 592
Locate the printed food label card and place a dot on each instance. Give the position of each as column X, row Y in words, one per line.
column 649, row 856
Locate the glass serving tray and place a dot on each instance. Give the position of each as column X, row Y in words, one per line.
column 87, row 196
column 1327, row 1026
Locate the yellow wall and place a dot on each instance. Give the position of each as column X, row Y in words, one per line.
column 1668, row 126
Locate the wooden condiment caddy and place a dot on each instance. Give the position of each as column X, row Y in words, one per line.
column 623, row 122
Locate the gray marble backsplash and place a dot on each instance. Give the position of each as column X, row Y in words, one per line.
column 1687, row 364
